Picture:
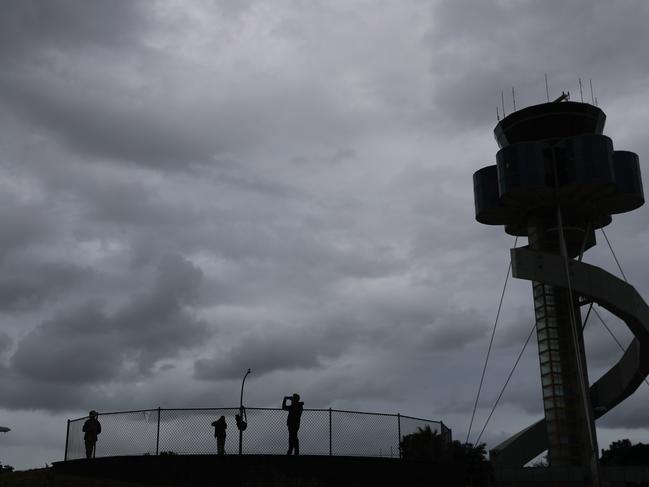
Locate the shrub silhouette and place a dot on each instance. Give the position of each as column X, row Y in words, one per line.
column 624, row 453
column 424, row 444
column 466, row 460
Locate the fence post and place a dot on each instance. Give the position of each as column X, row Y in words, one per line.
column 157, row 438
column 330, row 444
column 94, row 448
column 399, row 431
column 67, row 437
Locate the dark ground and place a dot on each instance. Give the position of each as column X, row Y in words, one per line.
column 47, row 477
column 261, row 470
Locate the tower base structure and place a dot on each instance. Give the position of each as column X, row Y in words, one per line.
column 594, row 285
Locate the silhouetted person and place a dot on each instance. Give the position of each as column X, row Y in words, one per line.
column 91, row 429
column 219, row 433
column 293, row 422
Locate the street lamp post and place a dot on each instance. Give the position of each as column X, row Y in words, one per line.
column 241, row 410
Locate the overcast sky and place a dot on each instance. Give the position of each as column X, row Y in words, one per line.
column 189, row 189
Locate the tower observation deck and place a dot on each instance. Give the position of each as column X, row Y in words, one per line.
column 556, row 180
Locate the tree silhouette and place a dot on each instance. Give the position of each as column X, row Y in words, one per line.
column 467, row 460
column 424, row 444
column 623, row 452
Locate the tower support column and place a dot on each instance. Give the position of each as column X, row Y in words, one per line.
column 571, row 433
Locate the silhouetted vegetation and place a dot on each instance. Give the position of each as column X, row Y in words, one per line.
column 466, row 459
column 424, row 444
column 6, row 468
column 624, row 453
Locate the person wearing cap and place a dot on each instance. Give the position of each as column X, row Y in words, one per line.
column 219, row 433
column 293, row 422
column 91, row 429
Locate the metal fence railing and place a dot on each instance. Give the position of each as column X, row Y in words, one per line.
column 189, row 431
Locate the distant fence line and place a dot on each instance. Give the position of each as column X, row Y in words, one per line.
column 189, row 432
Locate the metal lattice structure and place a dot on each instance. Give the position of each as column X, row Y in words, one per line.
column 189, row 432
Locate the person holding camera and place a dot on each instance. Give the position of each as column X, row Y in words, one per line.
column 219, row 433
column 293, row 421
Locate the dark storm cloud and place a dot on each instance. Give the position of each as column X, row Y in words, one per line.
column 629, row 415
column 99, row 119
column 23, row 223
column 382, row 326
column 65, row 24
column 341, row 386
column 42, row 395
column 139, row 114
column 5, row 342
column 67, row 94
column 90, row 344
column 265, row 353
column 452, row 331
column 26, row 283
column 96, row 123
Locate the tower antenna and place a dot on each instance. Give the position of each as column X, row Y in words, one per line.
column 502, row 100
column 514, row 98
column 592, row 97
column 581, row 91
column 547, row 91
column 497, row 113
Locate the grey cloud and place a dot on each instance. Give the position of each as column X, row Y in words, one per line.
column 452, row 331
column 234, row 9
column 179, row 133
column 132, row 205
column 602, row 351
column 141, row 114
column 5, row 342
column 269, row 352
column 316, row 344
column 66, row 24
column 339, row 156
column 90, row 344
column 40, row 395
column 339, row 386
column 495, row 39
column 23, row 224
column 117, row 130
column 230, row 173
column 83, row 336
column 26, row 283
column 629, row 416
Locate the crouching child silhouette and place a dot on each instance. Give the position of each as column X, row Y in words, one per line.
column 91, row 429
column 293, row 421
column 219, row 433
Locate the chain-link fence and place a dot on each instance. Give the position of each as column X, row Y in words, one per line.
column 189, row 431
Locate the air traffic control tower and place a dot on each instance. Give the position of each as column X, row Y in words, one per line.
column 557, row 179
